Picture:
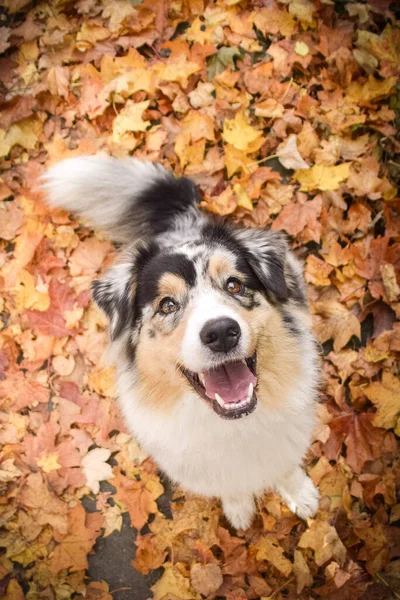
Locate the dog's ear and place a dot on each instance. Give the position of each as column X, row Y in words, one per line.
column 268, row 255
column 114, row 294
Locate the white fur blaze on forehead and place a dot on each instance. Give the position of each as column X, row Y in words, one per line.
column 209, row 305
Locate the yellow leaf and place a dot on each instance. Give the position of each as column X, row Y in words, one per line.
column 174, row 584
column 25, row 294
column 322, row 177
column 235, row 160
column 130, row 119
column 269, row 549
column 89, row 34
column 303, row 10
column 273, row 20
column 177, row 69
column 241, row 135
column 373, row 89
column 243, row 199
column 325, row 542
column 112, row 520
column 390, row 284
column 102, row 381
column 25, row 133
column 49, row 462
column 270, row 109
column 386, row 396
column 198, row 126
column 301, row 48
column 302, row 572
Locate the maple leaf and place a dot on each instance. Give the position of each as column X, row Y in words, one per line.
column 25, row 133
column 173, row 584
column 130, row 120
column 363, row 441
column 289, row 155
column 322, row 177
column 11, row 220
column 45, row 507
column 324, row 540
column 149, row 555
column 112, row 520
column 386, row 396
column 335, row 322
column 73, row 548
column 137, row 498
column 96, row 468
column 302, row 572
column 22, row 391
column 372, row 90
column 269, row 549
column 299, row 217
column 223, row 58
column 241, row 135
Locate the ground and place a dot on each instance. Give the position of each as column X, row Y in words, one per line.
column 285, row 114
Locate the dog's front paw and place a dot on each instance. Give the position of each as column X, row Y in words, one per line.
column 306, row 502
column 300, row 494
column 239, row 511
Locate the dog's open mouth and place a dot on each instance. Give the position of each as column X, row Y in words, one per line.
column 230, row 388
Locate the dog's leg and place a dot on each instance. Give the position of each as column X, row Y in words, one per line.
column 239, row 510
column 299, row 493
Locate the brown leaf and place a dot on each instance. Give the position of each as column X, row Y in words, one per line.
column 206, row 579
column 335, row 321
column 137, row 499
column 301, row 218
column 324, row 540
column 270, row 550
column 72, row 550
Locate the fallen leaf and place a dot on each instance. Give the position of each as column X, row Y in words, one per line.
column 324, row 540
column 289, row 155
column 241, row 135
column 73, row 548
column 11, row 220
column 206, row 579
column 302, row 572
column 322, row 177
column 268, row 549
column 386, row 396
column 96, row 468
column 335, row 322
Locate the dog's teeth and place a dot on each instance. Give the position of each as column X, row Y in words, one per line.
column 201, row 377
column 250, row 391
column 219, row 400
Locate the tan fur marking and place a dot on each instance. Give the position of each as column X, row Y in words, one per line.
column 222, row 266
column 172, row 285
column 161, row 384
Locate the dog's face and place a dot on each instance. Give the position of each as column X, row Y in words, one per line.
column 216, row 315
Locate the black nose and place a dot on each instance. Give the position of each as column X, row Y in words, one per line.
column 220, row 335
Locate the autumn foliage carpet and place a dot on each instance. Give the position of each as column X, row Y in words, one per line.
column 285, row 114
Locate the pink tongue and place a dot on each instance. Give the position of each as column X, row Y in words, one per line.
column 230, row 381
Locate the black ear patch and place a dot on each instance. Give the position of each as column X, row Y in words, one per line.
column 267, row 254
column 114, row 295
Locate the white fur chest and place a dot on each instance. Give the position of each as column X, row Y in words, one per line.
column 213, row 457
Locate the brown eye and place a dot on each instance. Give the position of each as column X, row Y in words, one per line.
column 234, row 287
column 167, row 306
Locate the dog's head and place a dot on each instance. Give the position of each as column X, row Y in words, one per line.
column 219, row 315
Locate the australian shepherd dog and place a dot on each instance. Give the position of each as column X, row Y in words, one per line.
column 217, row 369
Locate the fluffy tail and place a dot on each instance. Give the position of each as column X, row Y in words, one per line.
column 124, row 198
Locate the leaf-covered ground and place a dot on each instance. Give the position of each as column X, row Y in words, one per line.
column 285, row 114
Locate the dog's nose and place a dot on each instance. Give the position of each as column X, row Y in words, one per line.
column 220, row 335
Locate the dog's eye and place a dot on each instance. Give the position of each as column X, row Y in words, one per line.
column 167, row 306
column 234, row 287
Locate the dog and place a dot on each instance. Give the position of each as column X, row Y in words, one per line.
column 217, row 369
